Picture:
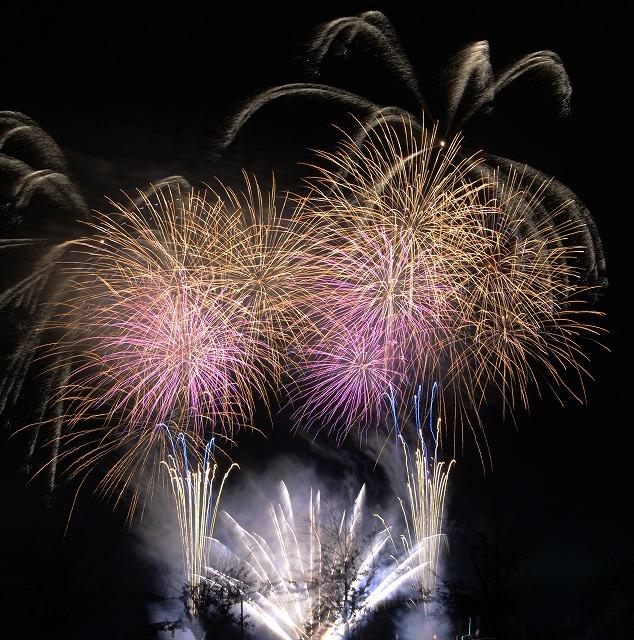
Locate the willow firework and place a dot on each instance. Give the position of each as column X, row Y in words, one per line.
column 471, row 86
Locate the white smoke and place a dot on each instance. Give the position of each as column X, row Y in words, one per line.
column 413, row 624
column 159, row 544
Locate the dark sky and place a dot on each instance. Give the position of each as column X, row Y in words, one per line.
column 136, row 92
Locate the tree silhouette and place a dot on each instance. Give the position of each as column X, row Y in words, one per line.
column 342, row 585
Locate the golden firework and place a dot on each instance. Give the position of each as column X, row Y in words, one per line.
column 433, row 267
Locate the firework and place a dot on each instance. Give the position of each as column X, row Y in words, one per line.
column 471, row 87
column 180, row 310
column 192, row 484
column 429, row 266
column 427, row 477
column 221, row 323
column 36, row 289
column 525, row 313
column 321, row 580
column 260, row 264
column 388, row 225
column 428, row 256
column 34, row 173
column 284, row 569
column 174, row 309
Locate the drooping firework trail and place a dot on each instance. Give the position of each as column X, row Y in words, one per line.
column 471, row 86
column 35, row 169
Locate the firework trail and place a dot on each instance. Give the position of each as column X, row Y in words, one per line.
column 192, row 482
column 471, row 87
column 39, row 206
column 43, row 218
column 427, row 478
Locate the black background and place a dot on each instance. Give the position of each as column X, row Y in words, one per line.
column 135, row 92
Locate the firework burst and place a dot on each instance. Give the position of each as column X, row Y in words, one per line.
column 432, row 267
column 178, row 309
column 389, row 221
column 526, row 310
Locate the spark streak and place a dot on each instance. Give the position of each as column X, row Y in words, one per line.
column 192, row 484
column 181, row 310
column 324, row 581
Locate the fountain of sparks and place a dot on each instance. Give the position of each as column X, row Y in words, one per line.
column 427, row 477
column 325, row 578
column 192, row 484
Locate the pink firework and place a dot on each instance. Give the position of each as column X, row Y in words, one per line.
column 344, row 378
column 379, row 311
column 165, row 337
column 390, row 221
column 170, row 354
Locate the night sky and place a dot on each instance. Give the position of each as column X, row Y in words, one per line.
column 136, row 92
